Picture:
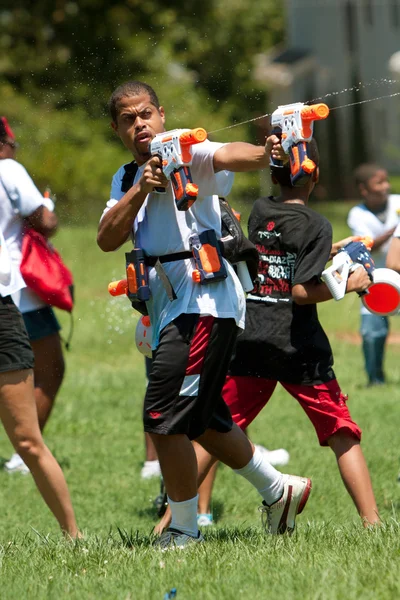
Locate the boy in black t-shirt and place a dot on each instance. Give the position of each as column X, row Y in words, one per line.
column 284, row 341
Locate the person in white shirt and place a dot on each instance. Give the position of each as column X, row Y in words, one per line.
column 17, row 403
column 376, row 217
column 20, row 200
column 194, row 329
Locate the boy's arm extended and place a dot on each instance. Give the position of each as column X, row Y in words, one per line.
column 314, row 292
column 241, row 156
column 382, row 239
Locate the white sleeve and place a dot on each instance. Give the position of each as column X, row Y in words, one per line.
column 5, row 265
column 23, row 193
column 397, row 231
column 357, row 223
column 115, row 193
column 209, row 182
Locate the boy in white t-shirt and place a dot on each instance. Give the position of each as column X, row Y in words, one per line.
column 377, row 217
column 194, row 331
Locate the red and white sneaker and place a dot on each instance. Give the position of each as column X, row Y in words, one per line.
column 280, row 517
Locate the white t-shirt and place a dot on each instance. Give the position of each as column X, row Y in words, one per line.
column 161, row 229
column 365, row 223
column 19, row 198
column 397, row 231
column 5, row 267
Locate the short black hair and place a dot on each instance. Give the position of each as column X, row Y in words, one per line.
column 282, row 174
column 130, row 88
column 364, row 172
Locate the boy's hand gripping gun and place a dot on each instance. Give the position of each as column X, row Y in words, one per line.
column 348, row 259
column 174, row 149
column 295, row 124
column 383, row 296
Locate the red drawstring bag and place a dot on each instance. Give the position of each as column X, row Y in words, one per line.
column 44, row 271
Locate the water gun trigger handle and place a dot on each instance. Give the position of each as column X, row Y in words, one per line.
column 352, row 268
column 301, row 167
column 336, row 277
column 184, row 189
column 159, row 189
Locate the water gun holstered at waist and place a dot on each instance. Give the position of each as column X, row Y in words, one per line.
column 208, row 258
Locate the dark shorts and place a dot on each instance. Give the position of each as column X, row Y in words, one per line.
column 324, row 404
column 41, row 323
column 188, row 372
column 15, row 350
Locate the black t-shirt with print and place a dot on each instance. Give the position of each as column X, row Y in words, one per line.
column 283, row 340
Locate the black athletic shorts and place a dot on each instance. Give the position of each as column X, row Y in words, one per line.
column 188, row 372
column 15, row 350
column 41, row 323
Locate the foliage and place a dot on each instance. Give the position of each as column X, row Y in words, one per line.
column 60, row 61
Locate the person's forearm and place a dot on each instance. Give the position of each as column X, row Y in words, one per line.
column 393, row 256
column 311, row 293
column 240, row 157
column 116, row 225
column 380, row 240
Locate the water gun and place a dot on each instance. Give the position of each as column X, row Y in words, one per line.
column 136, row 284
column 174, row 149
column 352, row 256
column 383, row 296
column 207, row 257
column 294, row 123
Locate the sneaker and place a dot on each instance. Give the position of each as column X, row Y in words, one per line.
column 151, row 468
column 172, row 539
column 16, row 465
column 280, row 517
column 161, row 501
column 277, row 458
column 205, row 520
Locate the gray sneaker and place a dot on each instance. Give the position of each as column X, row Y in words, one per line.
column 280, row 517
column 172, row 539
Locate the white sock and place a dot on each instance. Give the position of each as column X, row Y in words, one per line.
column 184, row 516
column 267, row 480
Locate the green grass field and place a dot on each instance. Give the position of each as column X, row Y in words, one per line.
column 96, row 434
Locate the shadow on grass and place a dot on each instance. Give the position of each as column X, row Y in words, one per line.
column 217, row 510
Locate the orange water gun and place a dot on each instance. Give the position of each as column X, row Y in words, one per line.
column 295, row 123
column 174, row 149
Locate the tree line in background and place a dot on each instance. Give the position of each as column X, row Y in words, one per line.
column 61, row 59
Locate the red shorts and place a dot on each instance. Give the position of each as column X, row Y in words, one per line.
column 324, row 404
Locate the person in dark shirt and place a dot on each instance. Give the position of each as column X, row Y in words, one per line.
column 284, row 342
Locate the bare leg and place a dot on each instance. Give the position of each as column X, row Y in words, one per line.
column 205, row 491
column 355, row 475
column 151, row 453
column 233, row 448
column 19, row 417
column 205, row 462
column 207, row 466
column 178, row 465
column 49, row 373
